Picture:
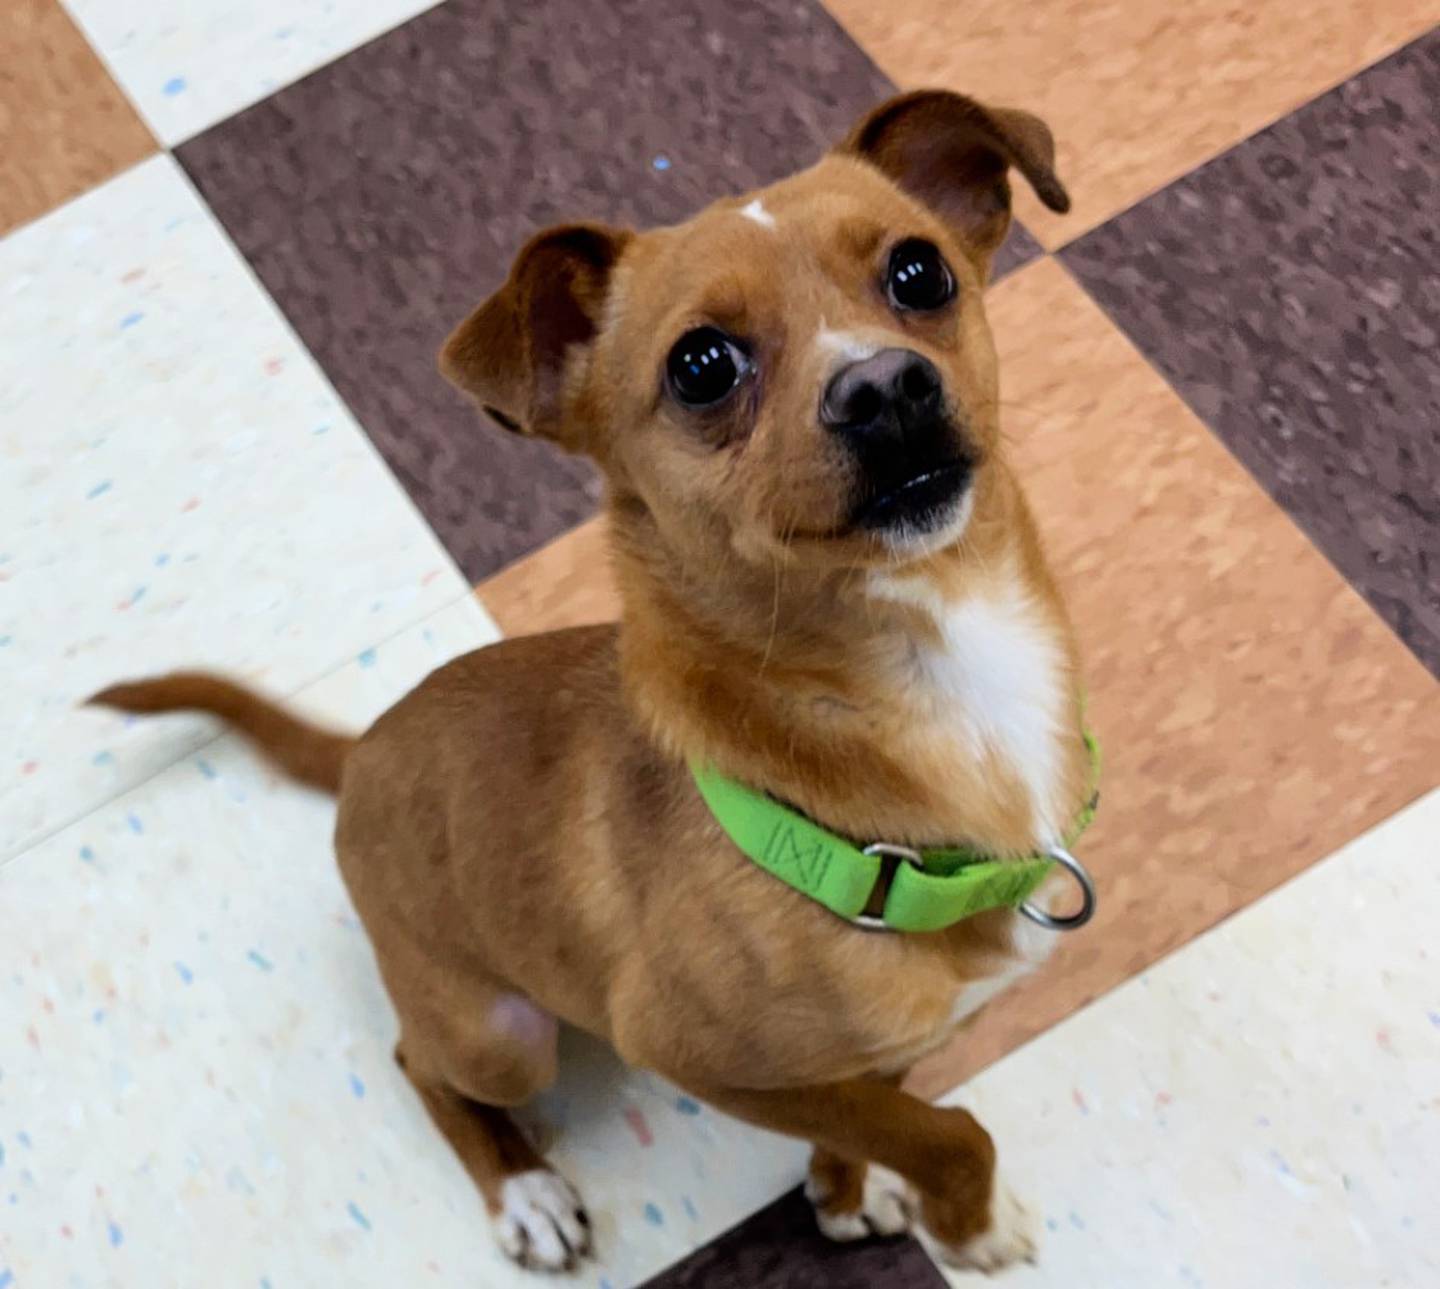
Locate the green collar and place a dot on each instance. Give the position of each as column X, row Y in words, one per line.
column 929, row 890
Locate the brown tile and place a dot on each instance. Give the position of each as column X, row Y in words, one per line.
column 1290, row 291
column 1138, row 93
column 382, row 198
column 565, row 584
column 1255, row 713
column 779, row 1247
column 1017, row 250
column 64, row 124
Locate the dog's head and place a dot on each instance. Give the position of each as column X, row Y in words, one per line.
column 805, row 372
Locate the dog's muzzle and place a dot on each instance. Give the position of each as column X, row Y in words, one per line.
column 889, row 410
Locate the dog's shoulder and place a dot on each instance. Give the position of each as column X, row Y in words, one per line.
column 527, row 688
column 525, row 670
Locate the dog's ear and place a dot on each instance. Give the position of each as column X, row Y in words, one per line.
column 513, row 354
column 953, row 154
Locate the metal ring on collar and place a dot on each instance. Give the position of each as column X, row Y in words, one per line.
column 1070, row 921
column 911, row 856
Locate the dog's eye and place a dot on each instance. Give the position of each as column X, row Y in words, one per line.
column 705, row 366
column 919, row 278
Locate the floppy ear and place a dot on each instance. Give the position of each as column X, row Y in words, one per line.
column 953, row 154
column 514, row 352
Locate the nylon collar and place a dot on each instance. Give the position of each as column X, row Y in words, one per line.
column 929, row 889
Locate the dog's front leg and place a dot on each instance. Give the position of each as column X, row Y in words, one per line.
column 855, row 1199
column 943, row 1153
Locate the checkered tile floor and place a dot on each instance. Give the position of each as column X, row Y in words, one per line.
column 232, row 237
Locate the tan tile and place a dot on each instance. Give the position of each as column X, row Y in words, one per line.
column 1138, row 92
column 64, row 124
column 565, row 584
column 1255, row 714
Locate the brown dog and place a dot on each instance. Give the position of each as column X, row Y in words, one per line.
column 833, row 591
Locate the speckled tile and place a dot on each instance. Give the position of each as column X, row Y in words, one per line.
column 381, row 199
column 1255, row 713
column 1259, row 1110
column 1290, row 291
column 191, row 1022
column 64, row 124
column 780, row 1246
column 180, row 486
column 190, row 63
column 1138, row 91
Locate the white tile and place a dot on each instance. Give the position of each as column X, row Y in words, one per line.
column 187, row 64
column 179, row 486
column 196, row 1084
column 1260, row 1110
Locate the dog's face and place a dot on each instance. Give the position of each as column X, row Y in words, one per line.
column 805, row 372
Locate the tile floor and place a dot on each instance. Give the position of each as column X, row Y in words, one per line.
column 180, row 482
column 1262, row 1108
column 186, row 66
column 65, row 125
column 222, row 440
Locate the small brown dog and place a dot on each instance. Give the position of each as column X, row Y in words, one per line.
column 833, row 592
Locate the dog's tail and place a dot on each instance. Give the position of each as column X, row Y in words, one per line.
column 305, row 752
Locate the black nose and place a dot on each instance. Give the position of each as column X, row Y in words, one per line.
column 887, row 396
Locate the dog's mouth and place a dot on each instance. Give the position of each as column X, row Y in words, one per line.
column 919, row 503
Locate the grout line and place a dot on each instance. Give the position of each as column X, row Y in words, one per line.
column 1418, row 802
column 1312, row 542
column 288, row 327
column 109, row 67
column 439, row 551
column 1284, row 115
column 74, row 197
column 190, row 135
column 224, row 732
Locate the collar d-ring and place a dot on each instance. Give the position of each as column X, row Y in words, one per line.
column 888, row 850
column 1068, row 921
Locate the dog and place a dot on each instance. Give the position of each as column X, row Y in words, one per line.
column 833, row 594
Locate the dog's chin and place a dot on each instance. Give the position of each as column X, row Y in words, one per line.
column 915, row 518
column 922, row 514
column 939, row 528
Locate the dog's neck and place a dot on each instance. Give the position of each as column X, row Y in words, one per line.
column 927, row 703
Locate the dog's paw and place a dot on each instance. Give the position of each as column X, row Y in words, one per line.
column 541, row 1223
column 1010, row 1238
column 887, row 1207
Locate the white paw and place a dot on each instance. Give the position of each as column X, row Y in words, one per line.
column 886, row 1208
column 1010, row 1238
column 542, row 1223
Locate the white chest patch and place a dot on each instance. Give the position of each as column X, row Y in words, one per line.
column 977, row 993
column 1002, row 668
column 1030, row 945
column 756, row 211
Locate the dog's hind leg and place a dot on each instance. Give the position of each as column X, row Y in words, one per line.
column 469, row 1058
